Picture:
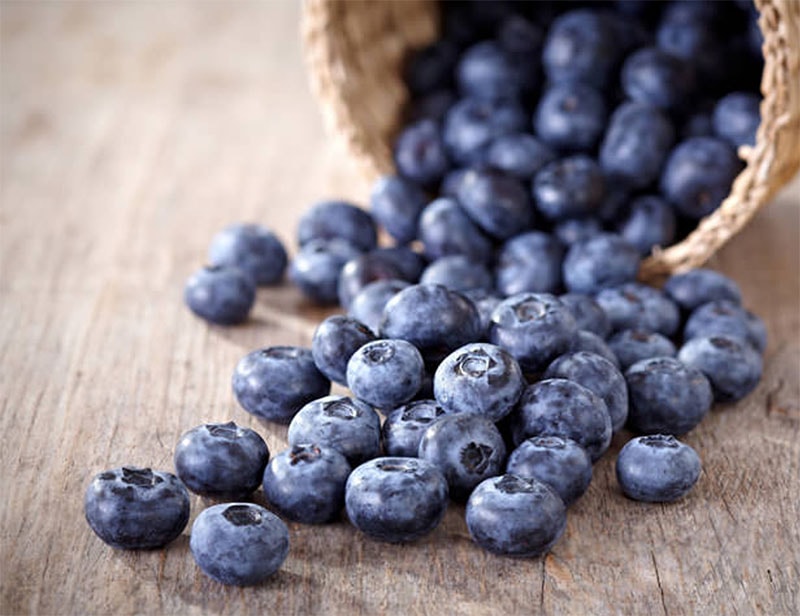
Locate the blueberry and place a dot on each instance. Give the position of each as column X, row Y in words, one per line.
column 253, row 249
column 367, row 268
column 588, row 313
column 367, row 306
column 396, row 204
column 240, row 544
column 667, row 397
column 571, row 117
column 451, row 182
column 598, row 375
column 458, row 273
column 408, row 261
column 736, row 118
column 559, row 463
column 486, row 70
column 657, row 468
column 334, row 342
column 534, row 327
column 726, row 318
column 497, row 203
column 656, row 77
column 306, row 483
column 519, row 155
column 419, row 153
column 515, row 516
column 685, row 36
column 572, row 230
column 637, row 306
column 649, row 222
column 478, row 378
column 698, row 175
column 430, row 67
column 569, row 188
column 631, row 345
column 349, row 426
column 731, row 365
column 472, row 125
column 404, row 426
column 431, row 317
column 466, row 448
column 386, row 373
column 636, row 145
column 699, row 286
column 317, row 266
column 446, row 229
column 221, row 460
column 133, row 508
column 605, row 260
column 220, row 294
column 582, row 45
column 485, row 303
column 592, row 343
column 337, row 220
column 274, row 382
column 396, row 499
column 520, row 37
column 529, row 262
column 558, row 407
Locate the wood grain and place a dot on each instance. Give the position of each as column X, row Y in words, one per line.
column 131, row 132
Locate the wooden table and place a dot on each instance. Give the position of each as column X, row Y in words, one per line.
column 131, row 132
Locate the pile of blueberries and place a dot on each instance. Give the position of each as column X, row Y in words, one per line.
column 503, row 336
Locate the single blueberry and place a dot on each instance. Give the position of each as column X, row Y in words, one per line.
column 396, row 499
column 334, row 342
column 667, row 396
column 605, row 260
column 592, row 343
column 486, row 70
column 700, row 286
column 631, row 346
column 404, row 426
column 408, row 261
column 572, row 230
column 731, row 365
column 529, row 262
column 657, row 468
column 558, row 407
column 485, row 303
column 472, row 125
column 519, row 155
column 220, row 294
column 497, row 203
column 534, row 328
column 317, row 266
column 560, row 463
column 478, row 378
column 649, row 222
column 446, row 229
column 588, row 313
column 571, row 117
column 653, row 76
column 351, row 427
column 698, row 175
column 515, row 516
column 132, row 508
column 367, row 268
column 221, row 460
column 596, row 374
column 386, row 373
column 329, row 220
column 466, row 448
column 419, row 153
column 274, row 382
column 634, row 305
column 396, row 204
column 368, row 304
column 240, row 544
column 636, row 145
column 306, row 483
column 569, row 188
column 253, row 249
column 458, row 273
column 726, row 318
column 519, row 36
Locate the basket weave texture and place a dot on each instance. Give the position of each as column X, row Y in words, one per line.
column 355, row 49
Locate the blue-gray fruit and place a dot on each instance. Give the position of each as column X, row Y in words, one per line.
column 632, row 345
column 657, row 468
column 605, row 260
column 731, row 365
column 220, row 294
column 386, row 373
column 253, row 249
column 405, row 425
column 334, row 342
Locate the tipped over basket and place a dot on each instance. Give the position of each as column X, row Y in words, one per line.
column 355, row 50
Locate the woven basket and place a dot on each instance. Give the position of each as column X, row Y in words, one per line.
column 354, row 50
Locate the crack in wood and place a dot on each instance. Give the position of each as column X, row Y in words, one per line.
column 658, row 581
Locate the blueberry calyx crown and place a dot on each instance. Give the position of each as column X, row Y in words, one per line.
column 303, row 453
column 341, row 409
column 242, row 515
column 136, row 476
column 476, row 457
column 529, row 310
column 227, row 430
column 660, row 441
column 474, row 364
column 395, row 465
column 549, row 442
column 512, row 484
column 379, row 352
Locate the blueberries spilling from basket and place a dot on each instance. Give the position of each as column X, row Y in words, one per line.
column 497, row 346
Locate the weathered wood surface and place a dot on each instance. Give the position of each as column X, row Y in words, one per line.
column 130, row 133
